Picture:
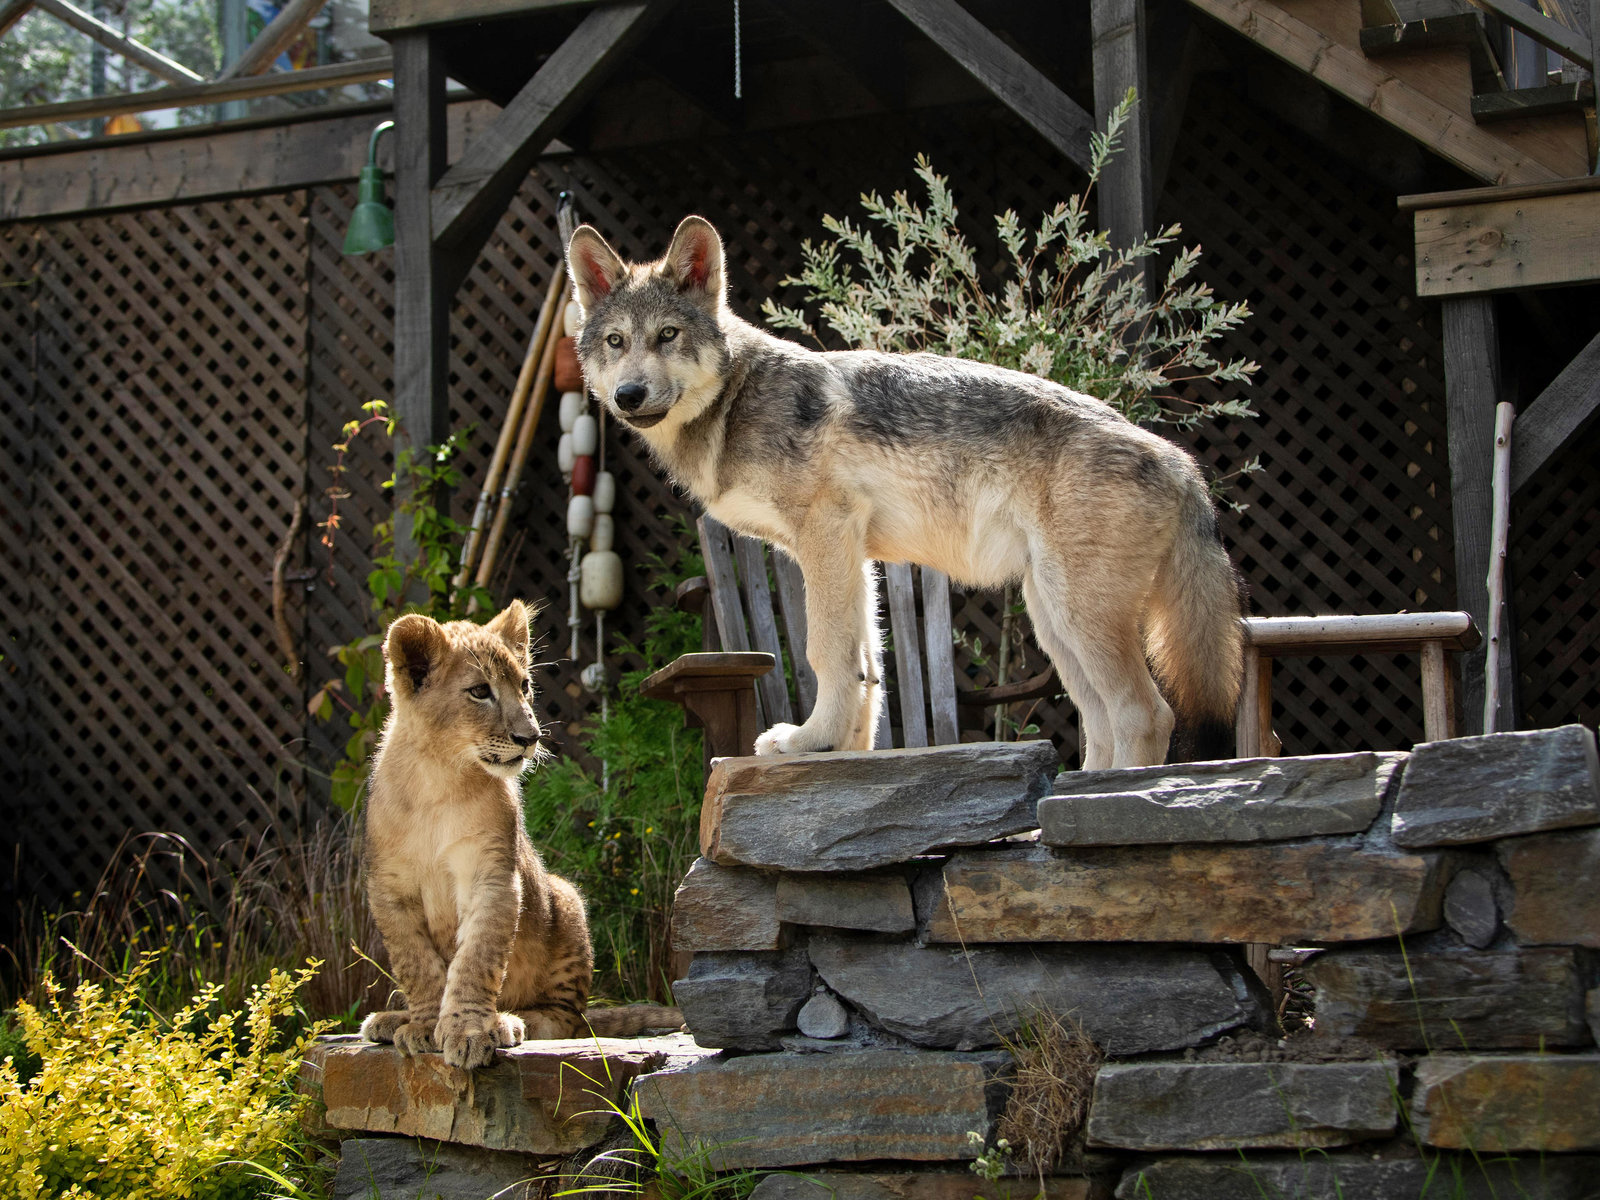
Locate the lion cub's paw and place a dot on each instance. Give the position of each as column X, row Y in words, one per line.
column 415, row 1037
column 510, row 1030
column 468, row 1044
column 381, row 1026
column 789, row 739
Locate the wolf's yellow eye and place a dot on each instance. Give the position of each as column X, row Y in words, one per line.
column 667, row 333
column 480, row 691
column 614, row 340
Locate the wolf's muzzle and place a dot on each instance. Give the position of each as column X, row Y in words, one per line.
column 629, row 396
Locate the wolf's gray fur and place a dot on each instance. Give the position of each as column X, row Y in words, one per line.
column 989, row 475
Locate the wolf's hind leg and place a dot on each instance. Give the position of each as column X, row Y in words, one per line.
column 1048, row 631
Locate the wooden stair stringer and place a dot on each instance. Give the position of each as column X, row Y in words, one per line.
column 1426, row 94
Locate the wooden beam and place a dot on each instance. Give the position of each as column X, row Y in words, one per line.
column 1014, row 81
column 135, row 52
column 310, row 80
column 1568, row 43
column 1125, row 195
column 1373, row 86
column 477, row 188
column 11, row 12
column 387, row 17
column 1537, row 241
column 277, row 37
column 1472, row 390
column 1561, row 412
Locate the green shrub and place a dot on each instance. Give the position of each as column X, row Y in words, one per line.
column 128, row 1104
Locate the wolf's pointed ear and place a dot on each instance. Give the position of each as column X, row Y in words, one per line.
column 414, row 649
column 510, row 625
column 595, row 267
column 694, row 260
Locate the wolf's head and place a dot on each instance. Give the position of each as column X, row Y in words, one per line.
column 652, row 346
column 465, row 690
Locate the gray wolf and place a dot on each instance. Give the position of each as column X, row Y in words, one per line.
column 990, row 475
column 487, row 946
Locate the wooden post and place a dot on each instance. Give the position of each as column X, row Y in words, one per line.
column 1438, row 694
column 1247, row 724
column 1495, row 584
column 1125, row 199
column 1472, row 390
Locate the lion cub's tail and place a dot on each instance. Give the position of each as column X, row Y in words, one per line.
column 630, row 1020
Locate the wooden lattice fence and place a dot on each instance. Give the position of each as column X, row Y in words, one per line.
column 174, row 380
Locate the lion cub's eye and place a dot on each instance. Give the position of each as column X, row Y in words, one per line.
column 480, row 691
column 667, row 333
column 614, row 340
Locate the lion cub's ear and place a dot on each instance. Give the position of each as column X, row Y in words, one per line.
column 415, row 647
column 510, row 625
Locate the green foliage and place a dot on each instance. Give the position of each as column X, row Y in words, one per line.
column 1068, row 307
column 627, row 843
column 422, row 583
column 127, row 1104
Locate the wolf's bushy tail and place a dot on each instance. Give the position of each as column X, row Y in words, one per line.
column 1192, row 633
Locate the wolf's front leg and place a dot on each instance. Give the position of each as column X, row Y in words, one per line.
column 418, row 970
column 840, row 587
column 471, row 1025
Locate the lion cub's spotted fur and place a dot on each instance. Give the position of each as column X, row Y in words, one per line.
column 487, row 945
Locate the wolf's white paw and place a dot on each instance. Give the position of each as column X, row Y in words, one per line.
column 790, row 739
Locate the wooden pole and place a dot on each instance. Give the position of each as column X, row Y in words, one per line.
column 135, row 52
column 1505, row 414
column 510, row 427
column 274, row 39
column 11, row 12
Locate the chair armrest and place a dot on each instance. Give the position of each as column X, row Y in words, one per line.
column 1039, row 687
column 692, row 594
column 706, row 672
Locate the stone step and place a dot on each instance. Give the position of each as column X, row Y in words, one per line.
column 1554, row 898
column 1478, row 789
column 908, row 1185
column 1245, row 800
column 1455, row 999
column 1236, row 1106
column 1357, row 1175
column 1331, row 890
column 546, row 1097
column 788, row 1110
column 398, row 1168
column 1491, row 1103
column 856, row 811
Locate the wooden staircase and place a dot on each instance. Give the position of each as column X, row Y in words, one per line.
column 1427, row 67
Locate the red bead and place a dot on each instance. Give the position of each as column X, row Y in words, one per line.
column 583, row 473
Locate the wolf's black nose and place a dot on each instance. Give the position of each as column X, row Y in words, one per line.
column 630, row 395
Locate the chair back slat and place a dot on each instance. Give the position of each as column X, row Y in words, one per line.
column 907, row 653
column 792, row 602
column 937, row 627
column 716, row 544
column 752, row 560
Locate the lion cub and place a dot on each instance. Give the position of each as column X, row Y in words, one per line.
column 487, row 945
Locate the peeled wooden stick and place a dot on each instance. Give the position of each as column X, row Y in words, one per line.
column 519, row 457
column 508, row 429
column 1499, row 534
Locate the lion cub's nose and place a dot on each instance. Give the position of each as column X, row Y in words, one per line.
column 631, row 395
column 524, row 739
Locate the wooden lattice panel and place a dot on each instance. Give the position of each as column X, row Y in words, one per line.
column 170, row 449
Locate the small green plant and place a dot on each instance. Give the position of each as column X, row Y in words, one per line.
column 421, row 583
column 125, row 1103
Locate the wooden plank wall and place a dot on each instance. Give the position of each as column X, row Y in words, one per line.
column 195, row 362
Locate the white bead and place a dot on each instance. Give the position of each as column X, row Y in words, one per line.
column 605, row 532
column 572, row 318
column 571, row 409
column 605, row 492
column 564, row 454
column 600, row 580
column 585, row 435
column 580, row 516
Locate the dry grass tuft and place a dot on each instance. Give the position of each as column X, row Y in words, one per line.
column 1049, row 1102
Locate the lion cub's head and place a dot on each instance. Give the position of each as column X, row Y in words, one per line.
column 465, row 691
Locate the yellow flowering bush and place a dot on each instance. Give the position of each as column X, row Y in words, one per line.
column 130, row 1104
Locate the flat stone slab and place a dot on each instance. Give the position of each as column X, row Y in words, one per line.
column 1480, row 788
column 1233, row 1106
column 1360, row 1176
column 872, row 903
column 1334, row 890
column 1129, row 1000
column 906, row 1185
column 545, row 1097
column 394, row 1168
column 1246, row 800
column 744, row 1001
column 726, row 908
column 1554, row 897
column 1508, row 1102
column 1460, row 999
column 855, row 811
column 785, row 1110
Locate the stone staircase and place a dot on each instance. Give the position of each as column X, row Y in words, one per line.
column 874, row 935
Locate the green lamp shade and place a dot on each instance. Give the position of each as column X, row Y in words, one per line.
column 372, row 223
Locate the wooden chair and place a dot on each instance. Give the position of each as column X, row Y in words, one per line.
column 733, row 690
